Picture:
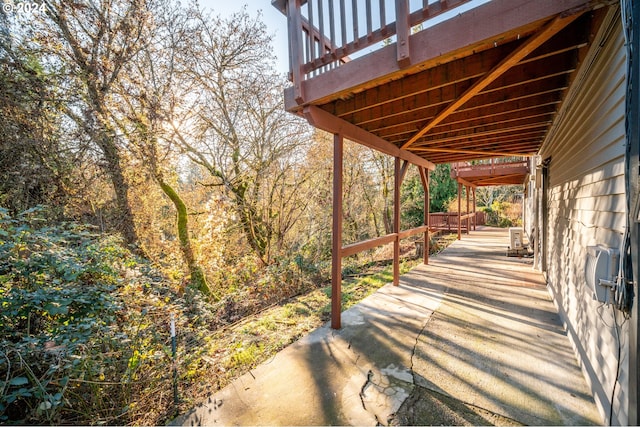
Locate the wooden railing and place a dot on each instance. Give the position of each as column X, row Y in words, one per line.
column 323, row 33
column 448, row 221
column 490, row 166
column 355, row 248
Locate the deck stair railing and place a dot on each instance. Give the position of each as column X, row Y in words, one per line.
column 323, row 33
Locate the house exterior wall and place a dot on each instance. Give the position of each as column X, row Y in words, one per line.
column 585, row 206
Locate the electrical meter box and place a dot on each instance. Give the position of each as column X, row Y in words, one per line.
column 516, row 235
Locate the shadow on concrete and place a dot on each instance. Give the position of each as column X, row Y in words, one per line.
column 473, row 338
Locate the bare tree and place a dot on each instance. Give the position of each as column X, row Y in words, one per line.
column 95, row 40
column 149, row 100
column 241, row 135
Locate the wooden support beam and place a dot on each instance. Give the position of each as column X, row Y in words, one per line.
column 336, row 237
column 403, row 170
column 424, row 178
column 467, row 193
column 321, row 119
column 475, row 216
column 516, row 56
column 396, row 221
column 465, row 182
column 459, row 213
column 464, row 151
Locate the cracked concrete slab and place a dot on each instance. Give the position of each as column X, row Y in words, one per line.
column 473, row 338
column 358, row 375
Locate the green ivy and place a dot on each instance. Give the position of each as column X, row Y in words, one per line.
column 56, row 298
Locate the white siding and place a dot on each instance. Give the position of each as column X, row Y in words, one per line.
column 586, row 206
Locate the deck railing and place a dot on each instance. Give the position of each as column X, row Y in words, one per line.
column 489, row 166
column 323, row 33
column 448, row 221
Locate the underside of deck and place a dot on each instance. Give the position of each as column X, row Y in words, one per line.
column 484, row 83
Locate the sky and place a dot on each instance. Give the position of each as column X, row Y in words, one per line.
column 275, row 21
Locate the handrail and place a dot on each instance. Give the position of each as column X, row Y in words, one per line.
column 323, row 33
column 364, row 245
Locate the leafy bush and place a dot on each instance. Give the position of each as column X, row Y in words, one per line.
column 56, row 303
column 85, row 327
column 504, row 214
column 74, row 341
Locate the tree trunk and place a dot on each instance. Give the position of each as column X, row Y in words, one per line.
column 197, row 276
column 125, row 223
column 253, row 225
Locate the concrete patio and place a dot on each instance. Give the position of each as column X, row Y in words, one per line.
column 472, row 338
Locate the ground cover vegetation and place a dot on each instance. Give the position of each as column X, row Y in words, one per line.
column 151, row 183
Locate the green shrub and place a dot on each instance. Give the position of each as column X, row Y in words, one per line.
column 73, row 339
column 503, row 214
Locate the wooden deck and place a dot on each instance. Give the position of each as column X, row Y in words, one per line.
column 449, row 84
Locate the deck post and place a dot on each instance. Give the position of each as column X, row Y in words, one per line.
column 424, row 177
column 403, row 31
column 396, row 221
column 459, row 209
column 336, row 236
column 296, row 55
column 475, row 213
column 466, row 190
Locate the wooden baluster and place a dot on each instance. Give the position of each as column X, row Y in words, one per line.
column 332, row 30
column 383, row 18
column 323, row 46
column 343, row 24
column 312, row 43
column 354, row 11
column 369, row 21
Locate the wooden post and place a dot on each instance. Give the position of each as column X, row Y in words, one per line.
column 459, row 209
column 467, row 188
column 475, row 214
column 336, row 237
column 424, row 177
column 403, row 31
column 296, row 43
column 396, row 222
column 524, row 206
